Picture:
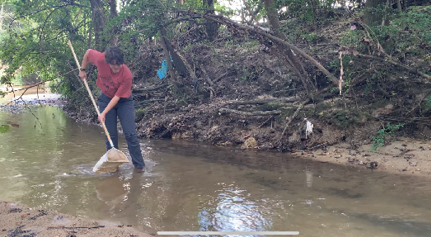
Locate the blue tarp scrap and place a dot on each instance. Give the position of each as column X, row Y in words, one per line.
column 163, row 70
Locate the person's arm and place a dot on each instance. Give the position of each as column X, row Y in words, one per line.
column 110, row 105
column 83, row 74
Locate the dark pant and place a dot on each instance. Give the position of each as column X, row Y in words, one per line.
column 125, row 110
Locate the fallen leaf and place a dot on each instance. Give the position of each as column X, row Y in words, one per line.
column 4, row 128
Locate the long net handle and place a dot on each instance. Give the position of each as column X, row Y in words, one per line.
column 91, row 95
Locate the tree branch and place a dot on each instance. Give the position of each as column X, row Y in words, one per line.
column 231, row 23
column 253, row 15
column 254, row 113
column 397, row 64
column 43, row 27
column 291, row 119
column 150, row 88
column 261, row 101
column 46, row 8
column 190, row 18
column 40, row 83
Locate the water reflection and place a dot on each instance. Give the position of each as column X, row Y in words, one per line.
column 112, row 191
column 309, row 178
column 233, row 211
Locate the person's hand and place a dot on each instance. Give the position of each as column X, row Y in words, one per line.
column 102, row 118
column 82, row 75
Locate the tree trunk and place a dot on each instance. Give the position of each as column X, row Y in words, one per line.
column 292, row 60
column 211, row 26
column 271, row 13
column 90, row 36
column 99, row 21
column 371, row 17
column 113, row 8
column 1, row 17
column 400, row 8
column 179, row 63
column 115, row 29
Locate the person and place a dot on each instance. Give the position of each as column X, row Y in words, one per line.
column 114, row 80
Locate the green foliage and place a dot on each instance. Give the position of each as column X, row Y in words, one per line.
column 311, row 37
column 428, row 102
column 409, row 33
column 351, row 38
column 140, row 113
column 35, row 42
column 252, row 44
column 300, row 8
column 379, row 140
column 4, row 128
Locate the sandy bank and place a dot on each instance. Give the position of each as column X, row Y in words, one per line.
column 402, row 156
column 16, row 220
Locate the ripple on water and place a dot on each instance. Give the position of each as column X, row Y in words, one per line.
column 16, row 176
column 233, row 211
column 87, row 170
column 125, row 171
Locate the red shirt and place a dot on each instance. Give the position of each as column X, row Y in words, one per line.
column 111, row 84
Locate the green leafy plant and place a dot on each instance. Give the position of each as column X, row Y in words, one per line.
column 409, row 33
column 379, row 140
column 428, row 102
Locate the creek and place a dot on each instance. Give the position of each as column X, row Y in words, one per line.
column 47, row 162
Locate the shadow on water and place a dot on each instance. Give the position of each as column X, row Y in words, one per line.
column 193, row 186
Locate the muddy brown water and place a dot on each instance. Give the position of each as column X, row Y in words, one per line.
column 193, row 186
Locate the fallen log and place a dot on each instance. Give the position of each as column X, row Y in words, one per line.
column 153, row 88
column 254, row 113
column 261, row 101
column 77, row 227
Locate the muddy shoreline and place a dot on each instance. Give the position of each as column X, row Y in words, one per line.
column 404, row 156
column 17, row 220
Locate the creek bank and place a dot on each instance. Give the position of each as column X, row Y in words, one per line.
column 22, row 102
column 405, row 156
column 17, row 220
column 402, row 153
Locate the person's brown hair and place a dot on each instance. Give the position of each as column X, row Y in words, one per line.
column 114, row 53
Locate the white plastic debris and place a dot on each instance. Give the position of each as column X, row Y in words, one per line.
column 308, row 129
